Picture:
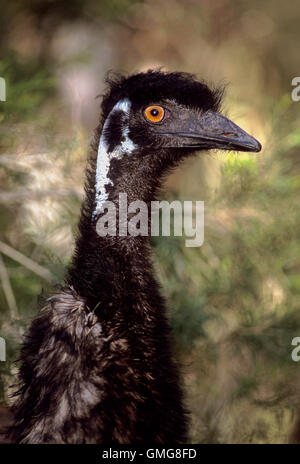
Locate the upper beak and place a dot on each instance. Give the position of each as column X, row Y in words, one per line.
column 212, row 130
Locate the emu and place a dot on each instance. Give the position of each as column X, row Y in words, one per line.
column 97, row 364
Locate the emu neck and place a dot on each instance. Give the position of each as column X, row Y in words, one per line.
column 109, row 272
column 112, row 273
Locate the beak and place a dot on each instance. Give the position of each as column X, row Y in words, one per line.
column 212, row 130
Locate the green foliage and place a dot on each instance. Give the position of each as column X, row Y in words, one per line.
column 27, row 87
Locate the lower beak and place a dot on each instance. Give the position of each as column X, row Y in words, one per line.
column 212, row 130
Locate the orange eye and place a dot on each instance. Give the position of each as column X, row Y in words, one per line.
column 154, row 113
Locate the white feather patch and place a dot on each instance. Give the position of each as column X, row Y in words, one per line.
column 104, row 158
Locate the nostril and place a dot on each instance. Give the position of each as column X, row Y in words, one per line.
column 228, row 134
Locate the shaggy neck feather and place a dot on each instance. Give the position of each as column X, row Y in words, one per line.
column 118, row 266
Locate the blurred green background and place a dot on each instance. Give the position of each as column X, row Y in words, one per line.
column 234, row 302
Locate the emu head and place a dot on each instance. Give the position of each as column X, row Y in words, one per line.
column 150, row 122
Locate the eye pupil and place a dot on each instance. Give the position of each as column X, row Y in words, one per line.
column 154, row 112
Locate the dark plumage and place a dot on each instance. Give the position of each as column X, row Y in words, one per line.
column 97, row 365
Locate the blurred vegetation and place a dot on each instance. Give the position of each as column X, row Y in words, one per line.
column 234, row 302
